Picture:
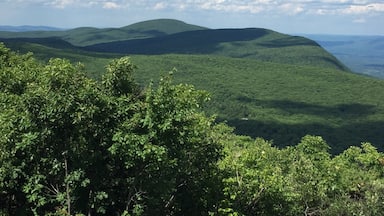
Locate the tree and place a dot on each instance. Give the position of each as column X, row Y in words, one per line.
column 253, row 178
column 74, row 145
column 173, row 143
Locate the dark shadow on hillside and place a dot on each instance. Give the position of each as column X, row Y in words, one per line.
column 352, row 110
column 53, row 42
column 190, row 42
column 350, row 132
column 153, row 33
column 289, row 41
column 338, row 138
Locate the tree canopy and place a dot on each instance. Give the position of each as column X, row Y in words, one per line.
column 71, row 145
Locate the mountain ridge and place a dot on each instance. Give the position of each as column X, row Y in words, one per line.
column 254, row 43
column 85, row 36
column 28, row 28
column 343, row 47
column 164, row 36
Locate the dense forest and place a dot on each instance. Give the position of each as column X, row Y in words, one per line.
column 73, row 145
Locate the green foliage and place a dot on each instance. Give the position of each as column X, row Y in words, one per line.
column 284, row 86
column 75, row 146
column 302, row 180
column 119, row 78
column 280, row 102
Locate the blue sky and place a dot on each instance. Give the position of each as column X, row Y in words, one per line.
column 355, row 17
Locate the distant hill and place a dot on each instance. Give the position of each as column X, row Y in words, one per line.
column 362, row 54
column 160, row 27
column 53, row 42
column 27, row 28
column 165, row 36
column 85, row 36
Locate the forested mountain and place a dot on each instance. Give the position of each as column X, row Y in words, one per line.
column 73, row 145
column 84, row 36
column 193, row 121
column 171, row 36
column 362, row 54
column 260, row 44
column 264, row 83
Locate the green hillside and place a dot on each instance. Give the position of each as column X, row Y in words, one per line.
column 280, row 102
column 264, row 83
column 254, row 43
column 161, row 27
column 85, row 36
column 72, row 145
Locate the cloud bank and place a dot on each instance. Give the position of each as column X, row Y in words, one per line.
column 335, row 16
column 319, row 7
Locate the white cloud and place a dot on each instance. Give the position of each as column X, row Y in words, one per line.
column 341, row 14
column 60, row 3
column 364, row 9
column 290, row 7
column 160, row 6
column 234, row 5
column 111, row 5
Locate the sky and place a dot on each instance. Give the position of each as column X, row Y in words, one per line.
column 346, row 17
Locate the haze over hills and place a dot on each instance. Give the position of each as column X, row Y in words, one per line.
column 264, row 83
column 28, row 28
column 362, row 54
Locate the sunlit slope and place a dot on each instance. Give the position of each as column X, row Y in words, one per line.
column 281, row 102
column 254, row 43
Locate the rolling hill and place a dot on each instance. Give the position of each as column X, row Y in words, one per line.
column 264, row 83
column 27, row 28
column 85, row 36
column 181, row 38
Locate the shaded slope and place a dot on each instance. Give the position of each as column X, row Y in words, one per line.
column 53, row 42
column 192, row 42
column 255, row 43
